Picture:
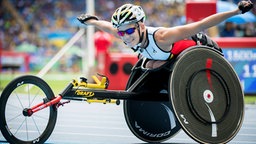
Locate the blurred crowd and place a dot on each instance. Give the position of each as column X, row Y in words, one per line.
column 42, row 27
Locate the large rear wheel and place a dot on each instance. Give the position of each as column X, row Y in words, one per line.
column 206, row 96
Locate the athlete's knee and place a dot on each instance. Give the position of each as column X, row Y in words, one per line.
column 149, row 64
column 157, row 64
column 152, row 64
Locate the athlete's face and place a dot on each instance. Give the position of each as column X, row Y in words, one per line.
column 129, row 34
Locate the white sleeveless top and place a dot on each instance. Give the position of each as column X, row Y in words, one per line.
column 152, row 50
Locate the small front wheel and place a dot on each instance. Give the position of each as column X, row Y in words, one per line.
column 20, row 94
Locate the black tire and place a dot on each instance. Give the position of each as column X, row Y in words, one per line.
column 151, row 121
column 24, row 92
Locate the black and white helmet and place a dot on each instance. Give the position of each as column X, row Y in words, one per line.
column 127, row 14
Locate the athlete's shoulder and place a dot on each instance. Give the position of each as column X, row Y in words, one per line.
column 152, row 30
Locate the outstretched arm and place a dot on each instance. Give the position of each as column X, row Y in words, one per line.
column 100, row 24
column 192, row 28
column 171, row 35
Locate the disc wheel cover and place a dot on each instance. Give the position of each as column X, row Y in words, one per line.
column 206, row 96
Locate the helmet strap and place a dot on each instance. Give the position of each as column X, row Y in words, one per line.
column 141, row 35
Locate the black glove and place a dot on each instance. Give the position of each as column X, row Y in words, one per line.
column 203, row 39
column 245, row 6
column 85, row 17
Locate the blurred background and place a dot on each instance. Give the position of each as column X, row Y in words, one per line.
column 32, row 32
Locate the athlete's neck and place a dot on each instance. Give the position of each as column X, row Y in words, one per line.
column 144, row 42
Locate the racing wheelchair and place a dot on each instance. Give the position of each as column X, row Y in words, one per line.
column 198, row 92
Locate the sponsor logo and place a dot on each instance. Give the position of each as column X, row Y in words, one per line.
column 154, row 135
column 36, row 140
column 21, row 83
column 184, row 119
column 84, row 93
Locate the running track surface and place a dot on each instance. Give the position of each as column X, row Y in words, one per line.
column 82, row 123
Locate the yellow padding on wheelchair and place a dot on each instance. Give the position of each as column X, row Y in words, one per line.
column 97, row 85
column 104, row 101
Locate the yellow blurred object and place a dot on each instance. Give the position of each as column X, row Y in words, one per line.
column 58, row 42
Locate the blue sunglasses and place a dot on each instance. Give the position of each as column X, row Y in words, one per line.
column 129, row 31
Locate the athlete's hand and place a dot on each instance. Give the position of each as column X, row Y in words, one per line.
column 84, row 18
column 245, row 6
